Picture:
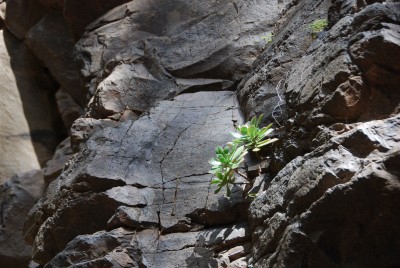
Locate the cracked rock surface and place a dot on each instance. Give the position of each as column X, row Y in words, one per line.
column 148, row 89
column 148, row 175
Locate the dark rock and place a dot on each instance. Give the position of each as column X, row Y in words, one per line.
column 136, row 54
column 54, row 167
column 302, row 204
column 30, row 10
column 79, row 14
column 156, row 168
column 52, row 43
column 68, row 108
column 17, row 196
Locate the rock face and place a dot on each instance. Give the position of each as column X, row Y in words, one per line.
column 161, row 84
column 332, row 201
column 27, row 130
column 17, row 196
column 150, row 175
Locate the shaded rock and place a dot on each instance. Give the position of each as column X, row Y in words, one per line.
column 53, row 4
column 262, row 89
column 28, row 131
column 330, row 197
column 102, row 249
column 124, row 248
column 3, row 5
column 79, row 14
column 30, row 10
column 154, row 166
column 68, row 108
column 17, row 196
column 52, row 43
column 301, row 195
column 141, row 52
column 54, row 167
column 83, row 128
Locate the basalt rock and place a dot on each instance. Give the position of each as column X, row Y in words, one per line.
column 132, row 189
column 155, row 167
column 332, row 200
column 17, row 196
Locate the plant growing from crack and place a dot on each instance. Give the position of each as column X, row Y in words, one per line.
column 268, row 38
column 318, row 26
column 249, row 137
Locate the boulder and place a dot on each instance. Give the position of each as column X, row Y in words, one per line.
column 17, row 196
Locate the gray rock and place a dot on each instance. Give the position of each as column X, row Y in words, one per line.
column 28, row 131
column 142, row 52
column 52, row 43
column 124, row 248
column 17, row 196
column 329, row 201
column 68, row 108
column 154, row 167
column 54, row 167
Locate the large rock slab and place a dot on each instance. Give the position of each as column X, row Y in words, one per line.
column 145, row 51
column 155, row 167
column 27, row 130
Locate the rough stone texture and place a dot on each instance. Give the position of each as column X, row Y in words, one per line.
column 333, row 200
column 79, row 14
column 137, row 192
column 27, row 130
column 54, row 166
column 52, row 43
column 155, row 167
column 125, row 248
column 83, row 128
column 21, row 15
column 17, row 196
column 68, row 108
column 162, row 49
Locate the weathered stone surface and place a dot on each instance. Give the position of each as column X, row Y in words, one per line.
column 142, row 52
column 68, row 108
column 79, row 14
column 320, row 199
column 137, row 192
column 262, row 90
column 17, row 196
column 125, row 248
column 154, row 167
column 329, row 204
column 21, row 15
column 52, row 43
column 83, row 128
column 54, row 166
column 27, row 130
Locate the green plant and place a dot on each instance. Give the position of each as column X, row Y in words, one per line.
column 268, row 38
column 318, row 26
column 251, row 136
column 229, row 158
column 224, row 165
